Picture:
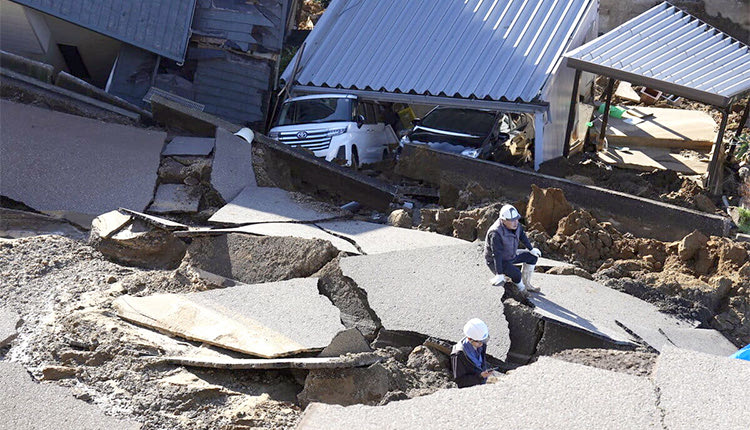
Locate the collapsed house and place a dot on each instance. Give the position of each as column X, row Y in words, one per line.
column 217, row 56
column 473, row 54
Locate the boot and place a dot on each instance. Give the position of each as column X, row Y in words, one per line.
column 522, row 288
column 526, row 271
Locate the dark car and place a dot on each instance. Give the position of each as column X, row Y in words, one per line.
column 474, row 133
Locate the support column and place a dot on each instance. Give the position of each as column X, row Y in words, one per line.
column 571, row 114
column 716, row 166
column 743, row 120
column 607, row 104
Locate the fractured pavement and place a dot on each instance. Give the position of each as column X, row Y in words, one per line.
column 9, row 323
column 307, row 363
column 267, row 320
column 97, row 167
column 232, row 169
column 549, row 394
column 184, row 145
column 28, row 405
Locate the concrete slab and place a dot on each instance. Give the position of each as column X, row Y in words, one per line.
column 155, row 220
column 590, row 306
column 378, row 238
column 15, row 224
column 266, row 320
column 183, row 145
column 702, row 391
column 9, row 322
column 304, row 231
column 432, row 291
column 707, row 341
column 232, row 169
column 348, row 341
column 96, row 168
column 175, row 198
column 265, row 204
column 548, row 394
column 27, row 405
column 307, row 363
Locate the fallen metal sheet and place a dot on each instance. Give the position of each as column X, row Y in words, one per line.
column 674, row 128
column 706, row 341
column 548, row 394
column 155, row 220
column 183, row 145
column 175, row 198
column 232, row 168
column 265, row 204
column 267, row 320
column 702, row 391
column 28, row 405
column 589, row 306
column 307, row 363
column 55, row 161
column 9, row 322
column 378, row 238
column 304, row 231
column 15, row 224
column 648, row 159
column 432, row 291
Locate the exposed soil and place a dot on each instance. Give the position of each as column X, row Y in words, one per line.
column 630, row 362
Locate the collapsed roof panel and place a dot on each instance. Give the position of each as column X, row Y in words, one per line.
column 247, row 26
column 672, row 51
column 160, row 27
column 471, row 49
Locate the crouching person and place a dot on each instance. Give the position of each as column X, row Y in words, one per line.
column 501, row 251
column 469, row 357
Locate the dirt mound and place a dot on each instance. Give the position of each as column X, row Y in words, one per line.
column 545, row 208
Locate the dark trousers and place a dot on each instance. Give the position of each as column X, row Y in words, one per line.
column 509, row 267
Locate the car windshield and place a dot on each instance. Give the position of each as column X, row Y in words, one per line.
column 316, row 111
column 467, row 121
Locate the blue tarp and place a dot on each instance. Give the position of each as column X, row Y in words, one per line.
column 743, row 354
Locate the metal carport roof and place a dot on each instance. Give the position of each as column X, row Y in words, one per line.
column 670, row 50
column 467, row 49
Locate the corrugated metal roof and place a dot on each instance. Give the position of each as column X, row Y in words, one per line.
column 672, row 51
column 485, row 49
column 247, row 26
column 159, row 26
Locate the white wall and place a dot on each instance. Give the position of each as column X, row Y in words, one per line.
column 558, row 92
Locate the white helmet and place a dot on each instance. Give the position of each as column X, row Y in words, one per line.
column 509, row 213
column 476, row 329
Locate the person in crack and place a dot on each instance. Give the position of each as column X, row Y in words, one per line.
column 469, row 356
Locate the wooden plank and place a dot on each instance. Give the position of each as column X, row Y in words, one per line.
column 650, row 158
column 626, row 92
column 668, row 128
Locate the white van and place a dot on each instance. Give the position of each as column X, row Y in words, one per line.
column 335, row 126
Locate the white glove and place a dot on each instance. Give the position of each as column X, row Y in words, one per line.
column 536, row 252
column 497, row 280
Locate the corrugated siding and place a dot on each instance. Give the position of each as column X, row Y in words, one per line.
column 235, row 90
column 159, row 26
column 485, row 49
column 667, row 45
column 242, row 23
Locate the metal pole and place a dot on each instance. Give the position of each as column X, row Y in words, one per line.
column 743, row 120
column 571, row 114
column 607, row 104
column 716, row 166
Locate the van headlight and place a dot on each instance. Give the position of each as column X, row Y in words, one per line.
column 472, row 153
column 336, row 132
column 273, row 134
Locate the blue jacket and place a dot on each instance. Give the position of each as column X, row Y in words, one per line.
column 501, row 243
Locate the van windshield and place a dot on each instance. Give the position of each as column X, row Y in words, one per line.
column 316, row 111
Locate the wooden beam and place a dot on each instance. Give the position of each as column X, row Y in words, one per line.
column 716, row 167
column 571, row 114
column 607, row 104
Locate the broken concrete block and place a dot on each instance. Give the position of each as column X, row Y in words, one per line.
column 252, row 259
column 9, row 323
column 702, row 390
column 97, row 166
column 548, row 394
column 400, row 218
column 233, row 165
column 432, row 291
column 133, row 242
column 54, row 373
column 706, row 341
column 176, row 198
column 366, row 385
column 27, row 405
column 307, row 363
column 16, row 223
column 264, row 204
column 266, row 320
column 172, row 171
column 423, row 357
column 525, row 331
column 183, row 145
column 349, row 341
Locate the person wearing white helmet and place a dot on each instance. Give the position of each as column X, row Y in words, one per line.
column 501, row 251
column 469, row 357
